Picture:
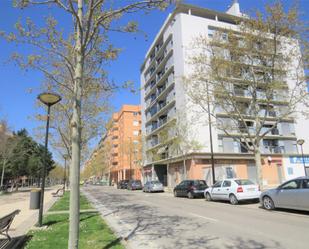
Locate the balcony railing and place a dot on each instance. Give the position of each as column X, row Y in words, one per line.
column 273, row 149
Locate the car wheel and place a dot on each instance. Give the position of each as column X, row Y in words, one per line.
column 190, row 195
column 233, row 199
column 268, row 203
column 175, row 193
column 208, row 197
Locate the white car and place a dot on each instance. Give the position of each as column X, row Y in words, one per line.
column 233, row 190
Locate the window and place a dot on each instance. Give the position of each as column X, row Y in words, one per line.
column 135, row 133
column 291, row 185
column 135, row 123
column 135, row 113
column 211, row 32
column 226, row 184
column 305, row 183
column 230, row 172
column 217, row 184
column 184, row 183
column 244, row 182
column 135, row 142
column 290, row 171
column 200, row 183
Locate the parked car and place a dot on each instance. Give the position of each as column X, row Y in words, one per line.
column 190, row 188
column 293, row 194
column 135, row 185
column 233, row 190
column 123, row 184
column 153, row 186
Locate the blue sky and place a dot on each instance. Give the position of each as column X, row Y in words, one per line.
column 17, row 105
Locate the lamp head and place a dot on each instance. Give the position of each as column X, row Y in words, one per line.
column 300, row 142
column 49, row 98
column 66, row 156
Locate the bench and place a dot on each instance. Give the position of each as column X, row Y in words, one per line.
column 5, row 223
column 58, row 193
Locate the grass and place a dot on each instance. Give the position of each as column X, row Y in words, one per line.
column 94, row 232
column 63, row 203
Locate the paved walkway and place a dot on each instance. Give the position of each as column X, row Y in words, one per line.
column 26, row 218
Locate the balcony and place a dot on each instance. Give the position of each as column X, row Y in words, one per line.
column 273, row 149
column 162, row 90
column 161, row 104
column 161, row 79
column 241, row 92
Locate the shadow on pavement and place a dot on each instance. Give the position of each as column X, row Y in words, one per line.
column 150, row 227
column 292, row 211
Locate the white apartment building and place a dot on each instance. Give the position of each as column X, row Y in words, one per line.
column 164, row 101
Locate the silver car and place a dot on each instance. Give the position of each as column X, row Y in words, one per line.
column 293, row 194
column 153, row 186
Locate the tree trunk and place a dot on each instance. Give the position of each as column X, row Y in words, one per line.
column 258, row 163
column 184, row 169
column 76, row 135
column 2, row 174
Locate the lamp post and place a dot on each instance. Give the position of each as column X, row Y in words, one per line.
column 47, row 99
column 65, row 157
column 130, row 149
column 210, row 136
column 301, row 142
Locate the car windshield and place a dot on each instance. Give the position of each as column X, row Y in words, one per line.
column 156, row 182
column 244, row 182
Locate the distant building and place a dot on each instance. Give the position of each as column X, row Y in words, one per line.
column 120, row 147
column 163, row 98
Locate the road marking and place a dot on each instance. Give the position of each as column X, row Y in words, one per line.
column 203, row 217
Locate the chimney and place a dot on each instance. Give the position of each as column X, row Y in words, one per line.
column 234, row 9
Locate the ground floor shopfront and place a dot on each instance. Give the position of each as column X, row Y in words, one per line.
column 275, row 168
column 125, row 174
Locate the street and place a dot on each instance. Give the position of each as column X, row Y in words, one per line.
column 159, row 220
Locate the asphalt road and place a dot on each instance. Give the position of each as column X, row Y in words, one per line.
column 159, row 220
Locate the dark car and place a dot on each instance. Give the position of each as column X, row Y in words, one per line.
column 123, row 184
column 190, row 188
column 135, row 185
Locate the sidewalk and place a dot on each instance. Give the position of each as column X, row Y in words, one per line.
column 26, row 218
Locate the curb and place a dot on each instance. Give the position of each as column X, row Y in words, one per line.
column 103, row 212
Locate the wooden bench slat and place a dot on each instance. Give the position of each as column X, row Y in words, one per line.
column 5, row 223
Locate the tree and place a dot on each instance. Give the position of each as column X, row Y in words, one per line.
column 22, row 156
column 91, row 20
column 56, row 175
column 185, row 141
column 254, row 74
column 130, row 151
column 7, row 144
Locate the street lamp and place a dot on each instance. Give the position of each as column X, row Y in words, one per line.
column 210, row 136
column 301, row 142
column 65, row 157
column 47, row 99
column 130, row 149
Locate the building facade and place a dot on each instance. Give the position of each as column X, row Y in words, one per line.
column 118, row 153
column 167, row 112
column 126, row 143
